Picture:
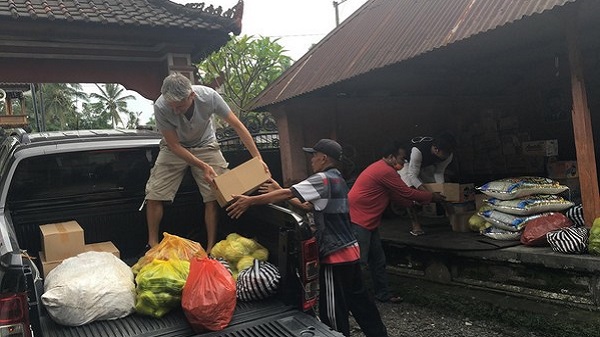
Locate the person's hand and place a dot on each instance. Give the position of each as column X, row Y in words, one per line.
column 209, row 174
column 266, row 167
column 269, row 186
column 437, row 197
column 240, row 204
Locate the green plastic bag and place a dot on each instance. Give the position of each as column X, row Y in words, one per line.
column 594, row 241
column 159, row 286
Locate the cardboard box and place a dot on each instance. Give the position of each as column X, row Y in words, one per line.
column 61, row 240
column 480, row 199
column 433, row 210
column 460, row 221
column 243, row 179
column 461, row 207
column 453, row 192
column 47, row 266
column 563, row 169
column 450, row 190
column 106, row 246
column 546, row 148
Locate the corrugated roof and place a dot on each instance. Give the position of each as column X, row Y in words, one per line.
column 151, row 13
column 386, row 32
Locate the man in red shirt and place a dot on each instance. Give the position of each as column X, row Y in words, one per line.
column 372, row 192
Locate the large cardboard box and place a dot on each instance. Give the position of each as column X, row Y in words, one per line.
column 106, row 246
column 480, row 199
column 546, row 148
column 61, row 240
column 243, row 179
column 562, row 169
column 47, row 266
column 450, row 190
column 461, row 207
column 460, row 221
column 453, row 192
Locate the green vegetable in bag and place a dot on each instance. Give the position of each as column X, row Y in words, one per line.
column 159, row 285
column 594, row 241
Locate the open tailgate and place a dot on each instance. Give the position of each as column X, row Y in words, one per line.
column 253, row 319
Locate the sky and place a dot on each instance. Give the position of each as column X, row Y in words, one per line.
column 298, row 24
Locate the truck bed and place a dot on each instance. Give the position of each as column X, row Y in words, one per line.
column 262, row 318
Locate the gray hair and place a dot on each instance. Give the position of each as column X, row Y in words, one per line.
column 176, row 88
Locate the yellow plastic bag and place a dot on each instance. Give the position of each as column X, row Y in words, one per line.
column 171, row 247
column 159, row 286
column 239, row 252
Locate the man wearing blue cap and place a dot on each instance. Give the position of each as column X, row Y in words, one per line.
column 342, row 289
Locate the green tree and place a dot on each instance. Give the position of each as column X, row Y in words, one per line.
column 92, row 117
column 113, row 101
column 133, row 119
column 60, row 105
column 243, row 68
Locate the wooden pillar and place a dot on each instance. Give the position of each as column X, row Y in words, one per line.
column 9, row 110
column 22, row 102
column 291, row 141
column 582, row 125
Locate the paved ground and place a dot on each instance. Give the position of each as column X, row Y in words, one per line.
column 405, row 319
column 433, row 309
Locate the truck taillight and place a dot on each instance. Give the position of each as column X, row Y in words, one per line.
column 310, row 260
column 310, row 273
column 14, row 316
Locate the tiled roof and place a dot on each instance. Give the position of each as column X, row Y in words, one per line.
column 14, row 86
column 386, row 32
column 151, row 13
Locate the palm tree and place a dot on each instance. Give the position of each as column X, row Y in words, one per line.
column 112, row 101
column 60, row 104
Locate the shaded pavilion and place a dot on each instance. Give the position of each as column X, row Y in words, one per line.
column 496, row 73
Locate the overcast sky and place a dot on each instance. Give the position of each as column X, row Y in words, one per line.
column 297, row 23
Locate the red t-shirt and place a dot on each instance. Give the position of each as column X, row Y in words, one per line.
column 374, row 188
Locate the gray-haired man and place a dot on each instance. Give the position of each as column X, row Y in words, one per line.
column 184, row 115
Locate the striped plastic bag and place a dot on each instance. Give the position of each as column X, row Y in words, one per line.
column 569, row 240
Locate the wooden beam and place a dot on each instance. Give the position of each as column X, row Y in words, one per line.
column 582, row 125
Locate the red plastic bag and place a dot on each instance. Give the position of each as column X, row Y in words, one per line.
column 535, row 231
column 208, row 298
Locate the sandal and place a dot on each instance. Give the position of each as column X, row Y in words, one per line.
column 393, row 299
column 417, row 233
column 396, row 299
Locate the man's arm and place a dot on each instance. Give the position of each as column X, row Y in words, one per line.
column 243, row 133
column 414, row 168
column 172, row 140
column 241, row 203
column 440, row 169
column 401, row 193
column 272, row 185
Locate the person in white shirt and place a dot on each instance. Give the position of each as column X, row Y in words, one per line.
column 429, row 158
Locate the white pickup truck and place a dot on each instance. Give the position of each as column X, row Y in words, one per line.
column 97, row 178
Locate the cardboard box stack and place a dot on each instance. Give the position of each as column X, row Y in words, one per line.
column 461, row 198
column 65, row 239
column 243, row 179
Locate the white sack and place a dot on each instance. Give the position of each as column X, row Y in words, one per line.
column 89, row 287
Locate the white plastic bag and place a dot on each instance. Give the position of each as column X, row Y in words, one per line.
column 89, row 287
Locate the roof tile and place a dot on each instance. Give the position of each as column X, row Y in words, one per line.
column 385, row 32
column 153, row 13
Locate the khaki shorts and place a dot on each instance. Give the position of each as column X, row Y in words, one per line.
column 169, row 169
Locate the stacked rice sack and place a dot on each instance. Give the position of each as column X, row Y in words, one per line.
column 514, row 203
